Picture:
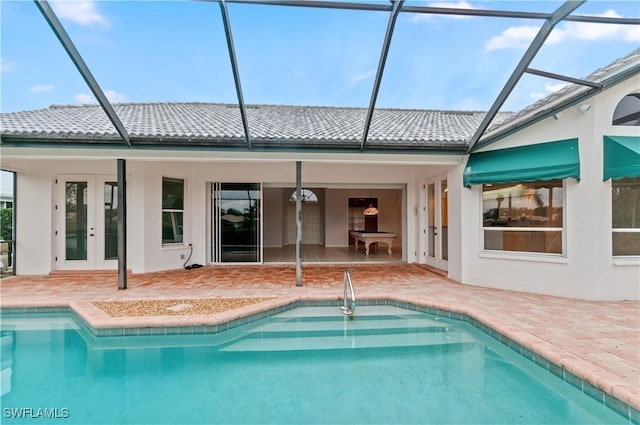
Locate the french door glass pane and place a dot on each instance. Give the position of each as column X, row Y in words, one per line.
column 444, row 220
column 431, row 220
column 76, row 220
column 110, row 220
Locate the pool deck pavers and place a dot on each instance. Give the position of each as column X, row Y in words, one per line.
column 598, row 341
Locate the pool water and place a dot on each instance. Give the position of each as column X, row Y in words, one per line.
column 307, row 365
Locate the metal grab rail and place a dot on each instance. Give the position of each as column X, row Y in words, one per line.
column 346, row 308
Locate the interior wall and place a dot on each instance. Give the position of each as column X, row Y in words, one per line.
column 273, row 215
column 337, row 213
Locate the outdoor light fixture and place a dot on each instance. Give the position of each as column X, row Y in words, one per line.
column 584, row 108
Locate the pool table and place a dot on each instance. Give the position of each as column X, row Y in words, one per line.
column 372, row 237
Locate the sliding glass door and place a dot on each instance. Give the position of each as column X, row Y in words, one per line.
column 236, row 223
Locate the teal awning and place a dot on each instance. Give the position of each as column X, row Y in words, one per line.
column 543, row 161
column 621, row 157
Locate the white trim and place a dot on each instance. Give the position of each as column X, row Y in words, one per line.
column 426, row 158
column 291, row 185
column 525, row 229
column 525, row 256
column 484, row 253
column 174, row 246
column 632, row 260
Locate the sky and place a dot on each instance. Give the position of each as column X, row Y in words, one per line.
column 159, row 51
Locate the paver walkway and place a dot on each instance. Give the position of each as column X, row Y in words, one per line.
column 598, row 341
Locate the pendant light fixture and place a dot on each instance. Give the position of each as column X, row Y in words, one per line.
column 370, row 210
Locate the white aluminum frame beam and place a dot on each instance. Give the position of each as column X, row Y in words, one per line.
column 377, row 7
column 76, row 58
column 393, row 17
column 559, row 77
column 236, row 73
column 557, row 16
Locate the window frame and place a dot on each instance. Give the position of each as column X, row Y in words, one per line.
column 528, row 255
column 172, row 211
column 628, row 230
column 631, row 119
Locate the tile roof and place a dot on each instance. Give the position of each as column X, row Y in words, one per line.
column 554, row 101
column 269, row 125
column 283, row 126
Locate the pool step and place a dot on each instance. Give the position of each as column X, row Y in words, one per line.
column 330, row 332
column 347, row 324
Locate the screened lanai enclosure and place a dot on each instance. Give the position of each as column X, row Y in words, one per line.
column 267, row 131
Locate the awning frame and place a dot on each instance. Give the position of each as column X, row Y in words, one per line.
column 555, row 160
column 621, row 157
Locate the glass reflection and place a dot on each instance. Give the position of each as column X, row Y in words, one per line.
column 76, row 220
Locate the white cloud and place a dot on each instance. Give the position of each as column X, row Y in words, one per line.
column 361, row 77
column 589, row 31
column 82, row 12
column 521, row 36
column 548, row 89
column 6, row 66
column 84, row 98
column 554, row 87
column 537, row 95
column 512, row 38
column 444, row 4
column 41, row 88
column 113, row 96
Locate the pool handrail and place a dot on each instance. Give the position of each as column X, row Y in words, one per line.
column 346, row 308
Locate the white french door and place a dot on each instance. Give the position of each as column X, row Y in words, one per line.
column 87, row 222
column 436, row 226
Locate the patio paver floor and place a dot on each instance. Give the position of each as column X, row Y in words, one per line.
column 598, row 341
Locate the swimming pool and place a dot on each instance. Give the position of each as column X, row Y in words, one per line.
column 306, row 365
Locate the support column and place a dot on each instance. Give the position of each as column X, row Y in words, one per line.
column 298, row 223
column 122, row 224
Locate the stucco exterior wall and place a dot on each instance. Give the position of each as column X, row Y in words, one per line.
column 396, row 186
column 588, row 269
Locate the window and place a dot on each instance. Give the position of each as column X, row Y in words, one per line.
column 172, row 210
column 307, row 196
column 625, row 209
column 523, row 217
column 628, row 111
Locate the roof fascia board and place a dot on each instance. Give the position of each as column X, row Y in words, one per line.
column 228, row 145
column 236, row 73
column 526, row 59
column 184, row 154
column 562, row 105
column 562, row 78
column 376, row 7
column 397, row 5
column 82, row 67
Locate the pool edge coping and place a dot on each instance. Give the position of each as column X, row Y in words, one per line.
column 597, row 383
